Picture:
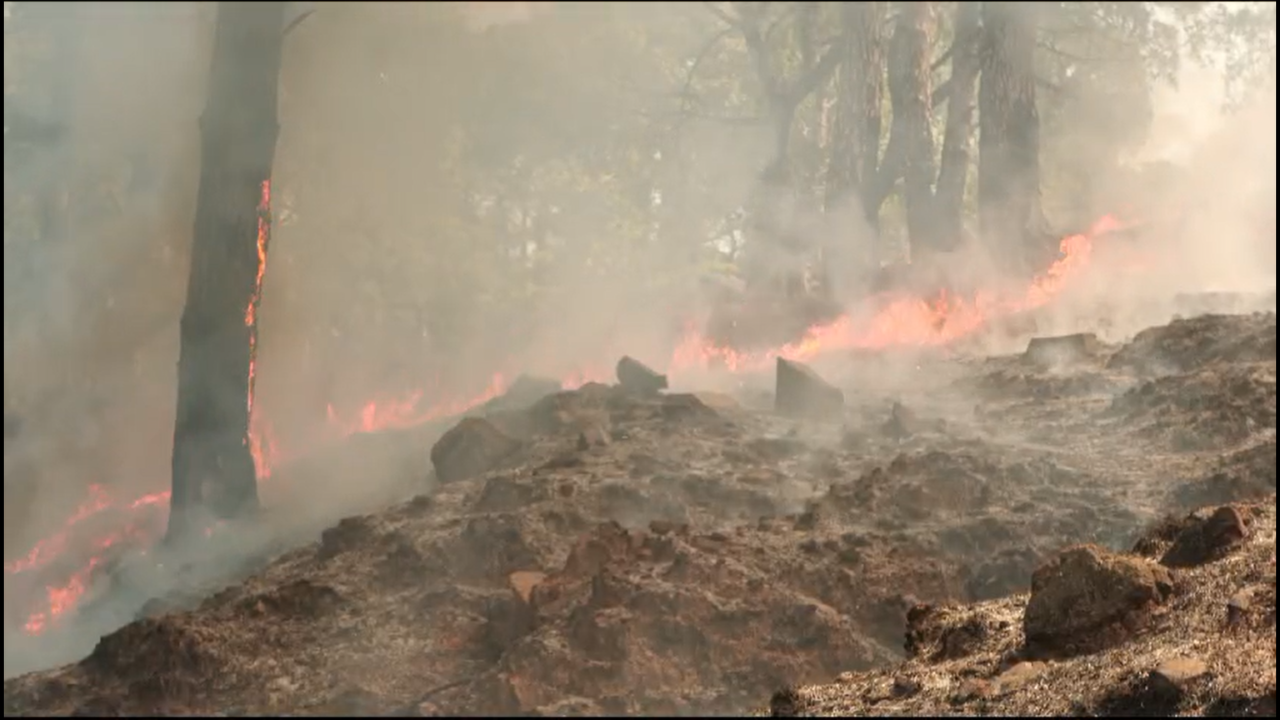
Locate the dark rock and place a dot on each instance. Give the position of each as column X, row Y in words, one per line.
column 902, row 422
column 634, row 375
column 1208, row 539
column 472, row 447
column 1086, row 598
column 800, row 392
column 1050, row 352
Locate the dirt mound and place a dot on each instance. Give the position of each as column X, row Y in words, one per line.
column 1245, row 474
column 1205, row 409
column 1189, row 344
column 1206, row 646
column 604, row 551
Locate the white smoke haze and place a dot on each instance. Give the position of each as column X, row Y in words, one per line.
column 460, row 192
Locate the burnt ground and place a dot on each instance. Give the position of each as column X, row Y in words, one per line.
column 693, row 553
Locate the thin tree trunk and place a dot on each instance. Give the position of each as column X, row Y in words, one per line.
column 910, row 91
column 957, row 139
column 213, row 464
column 1009, row 138
column 855, row 148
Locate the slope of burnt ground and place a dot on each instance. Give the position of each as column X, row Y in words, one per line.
column 606, row 552
column 1201, row 642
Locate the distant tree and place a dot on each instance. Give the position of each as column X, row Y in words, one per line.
column 1009, row 140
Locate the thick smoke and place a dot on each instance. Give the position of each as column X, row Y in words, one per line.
column 382, row 278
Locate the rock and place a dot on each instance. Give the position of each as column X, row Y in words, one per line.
column 634, row 375
column 524, row 581
column 1208, row 539
column 1175, row 676
column 1050, row 352
column 902, row 422
column 1086, row 598
column 1019, row 676
column 800, row 392
column 472, row 447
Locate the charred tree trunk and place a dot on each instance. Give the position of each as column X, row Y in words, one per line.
column 911, row 145
column 957, row 139
column 1009, row 134
column 775, row 253
column 855, row 148
column 213, row 466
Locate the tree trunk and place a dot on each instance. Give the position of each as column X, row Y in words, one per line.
column 855, row 147
column 956, row 141
column 911, row 95
column 1009, row 137
column 213, row 466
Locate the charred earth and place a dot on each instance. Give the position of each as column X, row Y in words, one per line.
column 606, row 550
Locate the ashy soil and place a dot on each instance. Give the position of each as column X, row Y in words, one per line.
column 602, row 551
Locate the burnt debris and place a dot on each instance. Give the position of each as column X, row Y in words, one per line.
column 800, row 392
column 636, row 376
column 1061, row 350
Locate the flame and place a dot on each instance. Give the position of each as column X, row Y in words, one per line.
column 255, row 431
column 902, row 321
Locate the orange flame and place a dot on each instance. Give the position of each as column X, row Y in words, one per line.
column 904, row 321
column 254, row 439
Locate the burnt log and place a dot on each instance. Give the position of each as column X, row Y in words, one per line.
column 1061, row 350
column 635, row 375
column 801, row 392
column 212, row 462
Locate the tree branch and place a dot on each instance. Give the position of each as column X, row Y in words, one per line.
column 702, row 55
column 937, row 64
column 816, row 75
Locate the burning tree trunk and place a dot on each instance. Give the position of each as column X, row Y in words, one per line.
column 911, row 145
column 855, row 147
column 213, row 465
column 956, row 143
column 1009, row 139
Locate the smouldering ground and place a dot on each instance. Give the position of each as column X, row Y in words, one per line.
column 690, row 554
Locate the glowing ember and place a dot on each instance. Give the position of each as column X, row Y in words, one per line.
column 903, row 321
column 254, row 433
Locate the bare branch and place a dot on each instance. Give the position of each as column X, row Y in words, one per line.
column 816, row 75
column 937, row 64
column 702, row 55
